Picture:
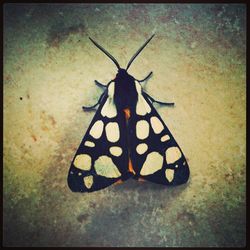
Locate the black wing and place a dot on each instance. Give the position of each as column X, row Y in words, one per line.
column 102, row 157
column 155, row 154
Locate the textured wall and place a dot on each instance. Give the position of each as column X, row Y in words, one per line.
column 198, row 60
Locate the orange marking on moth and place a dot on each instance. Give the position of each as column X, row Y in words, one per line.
column 130, row 166
column 118, row 182
column 127, row 113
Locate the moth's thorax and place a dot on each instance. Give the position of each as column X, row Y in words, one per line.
column 125, row 95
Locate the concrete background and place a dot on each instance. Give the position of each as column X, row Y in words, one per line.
column 198, row 57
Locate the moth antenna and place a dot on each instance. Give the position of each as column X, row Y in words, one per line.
column 139, row 51
column 105, row 52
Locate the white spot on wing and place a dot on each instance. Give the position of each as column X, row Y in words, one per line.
column 83, row 162
column 89, row 144
column 169, row 173
column 165, row 138
column 142, row 107
column 141, row 148
column 142, row 129
column 173, row 154
column 156, row 124
column 104, row 166
column 116, row 151
column 109, row 108
column 88, row 181
column 96, row 130
column 112, row 131
column 152, row 163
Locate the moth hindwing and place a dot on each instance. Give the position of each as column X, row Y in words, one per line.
column 126, row 138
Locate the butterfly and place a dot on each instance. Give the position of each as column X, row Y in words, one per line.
column 127, row 138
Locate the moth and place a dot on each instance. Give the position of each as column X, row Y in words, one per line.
column 127, row 138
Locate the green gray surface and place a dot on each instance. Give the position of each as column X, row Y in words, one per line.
column 198, row 59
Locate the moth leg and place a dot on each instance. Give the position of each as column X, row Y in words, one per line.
column 93, row 107
column 102, row 85
column 146, row 78
column 162, row 103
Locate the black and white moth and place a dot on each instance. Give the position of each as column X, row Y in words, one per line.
column 126, row 138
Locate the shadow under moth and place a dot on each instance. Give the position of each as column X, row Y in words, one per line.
column 127, row 138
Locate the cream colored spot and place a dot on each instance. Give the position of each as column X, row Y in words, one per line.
column 96, row 130
column 165, row 138
column 112, row 131
column 88, row 181
column 173, row 154
column 83, row 162
column 169, row 174
column 156, row 124
column 184, row 163
column 141, row 148
column 116, row 151
column 152, row 163
column 79, row 173
column 142, row 107
column 109, row 108
column 104, row 166
column 142, row 129
column 176, row 166
column 89, row 144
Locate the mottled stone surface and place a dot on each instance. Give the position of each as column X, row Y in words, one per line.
column 198, row 60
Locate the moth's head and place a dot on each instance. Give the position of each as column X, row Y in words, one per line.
column 120, row 70
column 122, row 74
